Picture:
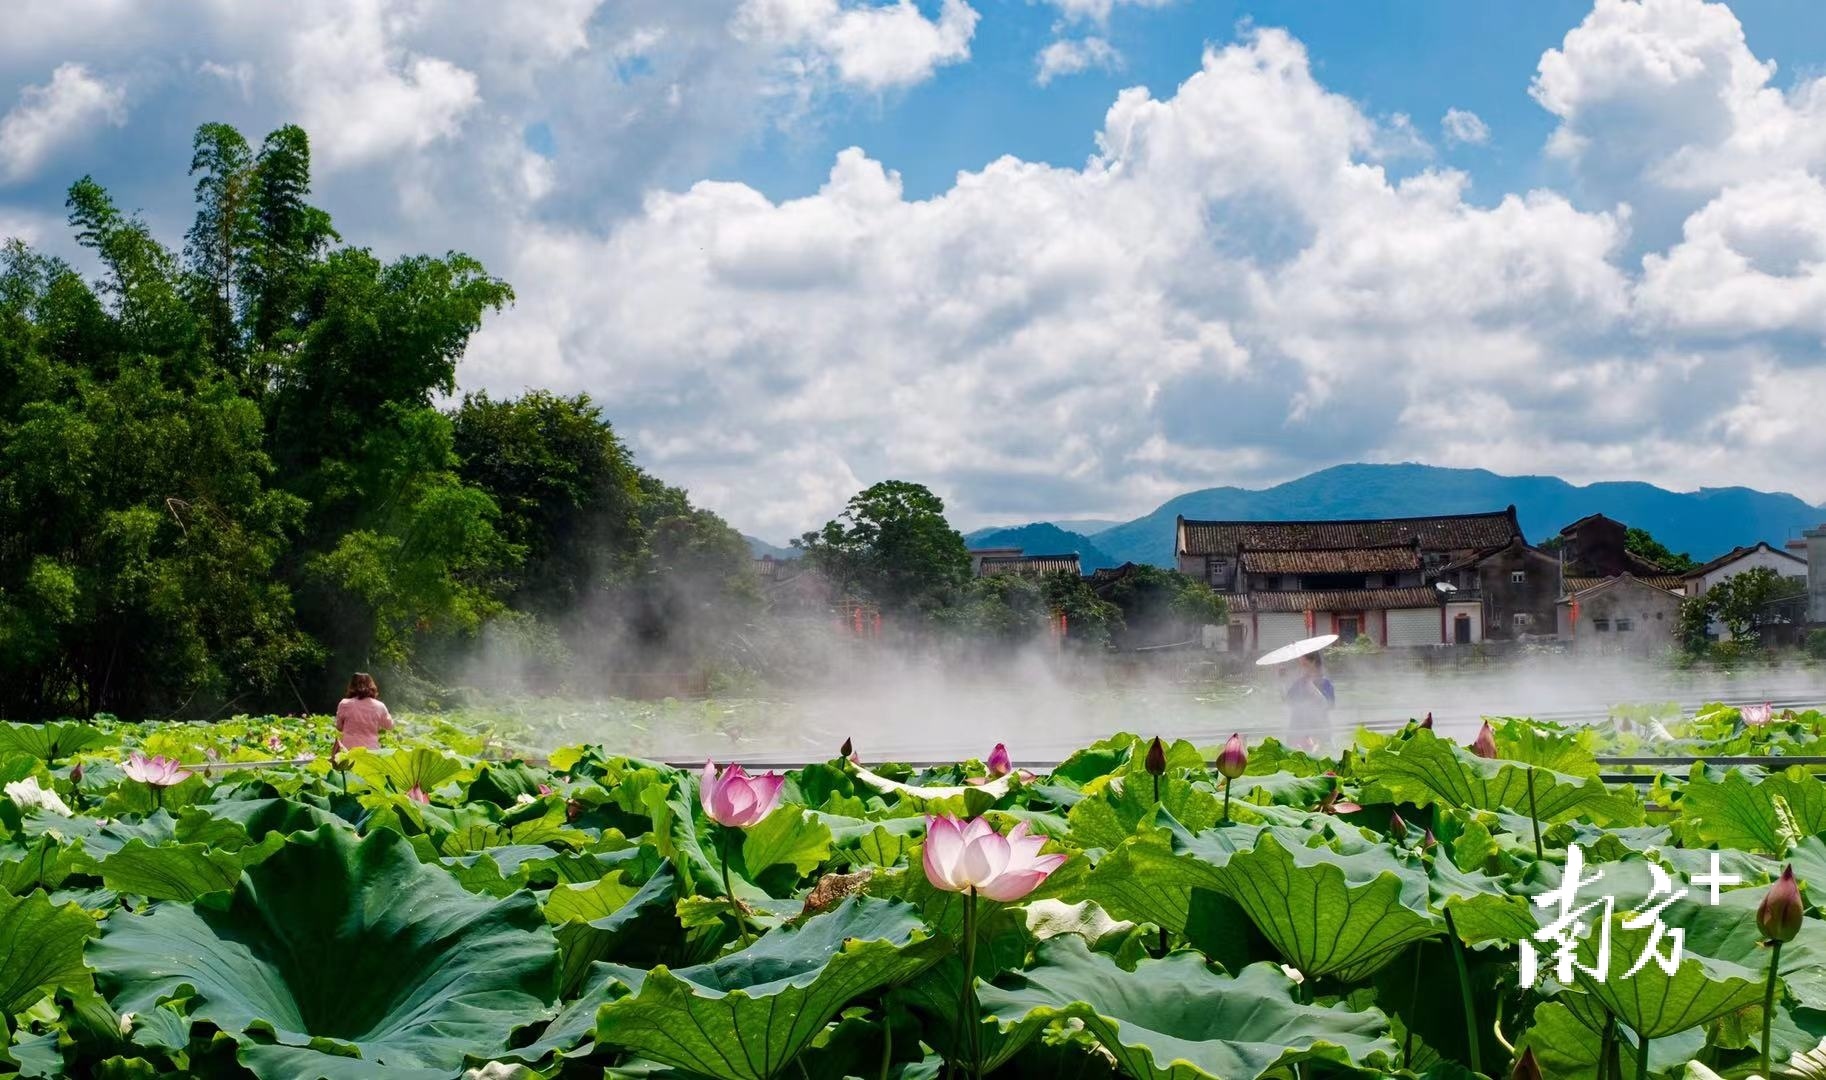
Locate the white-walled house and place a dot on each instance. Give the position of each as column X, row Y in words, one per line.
column 1703, row 579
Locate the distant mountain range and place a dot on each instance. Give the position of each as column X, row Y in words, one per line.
column 1702, row 523
column 758, row 547
column 1045, row 538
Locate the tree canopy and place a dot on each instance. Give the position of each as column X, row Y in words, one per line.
column 225, row 479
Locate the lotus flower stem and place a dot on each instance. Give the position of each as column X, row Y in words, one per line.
column 1464, row 992
column 1226, row 800
column 1775, row 959
column 887, row 1032
column 724, row 848
column 967, row 1017
column 1641, row 1056
column 1534, row 815
column 1407, row 1044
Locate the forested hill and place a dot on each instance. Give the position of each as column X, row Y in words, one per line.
column 1702, row 523
column 224, row 484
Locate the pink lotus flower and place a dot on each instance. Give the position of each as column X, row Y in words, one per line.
column 157, row 771
column 1484, row 745
column 961, row 858
column 545, row 789
column 210, row 753
column 736, row 799
column 1234, row 760
column 274, row 743
column 1428, row 722
column 1756, row 715
column 306, row 757
column 417, row 794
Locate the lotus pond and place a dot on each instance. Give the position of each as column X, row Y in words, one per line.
column 445, row 908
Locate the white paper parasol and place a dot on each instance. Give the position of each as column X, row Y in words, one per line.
column 1295, row 651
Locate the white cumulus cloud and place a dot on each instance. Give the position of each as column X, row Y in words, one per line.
column 67, row 108
column 1069, row 56
column 874, row 46
column 1464, row 126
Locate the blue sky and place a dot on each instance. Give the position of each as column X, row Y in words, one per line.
column 797, row 246
column 1418, row 59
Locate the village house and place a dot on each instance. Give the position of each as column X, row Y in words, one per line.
column 1398, row 581
column 1621, row 614
column 990, row 565
column 1703, row 579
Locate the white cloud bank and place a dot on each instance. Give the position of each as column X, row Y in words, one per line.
column 69, row 107
column 1232, row 288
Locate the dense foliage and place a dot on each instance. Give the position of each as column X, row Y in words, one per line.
column 443, row 905
column 224, row 480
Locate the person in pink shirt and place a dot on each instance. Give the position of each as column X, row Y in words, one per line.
column 360, row 717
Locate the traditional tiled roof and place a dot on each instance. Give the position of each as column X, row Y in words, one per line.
column 1364, row 560
column 1029, row 564
column 1108, row 575
column 1737, row 553
column 1579, row 586
column 1334, row 600
column 1445, row 533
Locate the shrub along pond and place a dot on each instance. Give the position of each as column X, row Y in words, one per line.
column 241, row 899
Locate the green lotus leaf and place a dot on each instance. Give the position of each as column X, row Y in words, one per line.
column 1425, row 769
column 402, row 770
column 1752, row 809
column 1651, row 1002
column 1729, row 932
column 53, row 741
column 1121, row 809
column 170, row 871
column 1564, row 750
column 41, row 862
column 1176, row 1019
column 1329, row 914
column 611, row 919
column 42, row 943
column 339, row 957
column 746, row 1015
column 786, row 837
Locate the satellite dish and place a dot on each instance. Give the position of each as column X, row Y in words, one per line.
column 1293, row 652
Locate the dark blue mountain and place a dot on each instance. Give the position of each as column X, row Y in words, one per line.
column 1702, row 523
column 1045, row 538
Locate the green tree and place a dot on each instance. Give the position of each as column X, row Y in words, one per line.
column 1640, row 543
column 1742, row 601
column 568, row 492
column 893, row 544
column 1159, row 605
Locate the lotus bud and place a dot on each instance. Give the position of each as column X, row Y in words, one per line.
column 1157, row 758
column 736, row 799
column 1526, row 1068
column 76, row 773
column 1779, row 915
column 1428, row 840
column 1397, row 827
column 1428, row 721
column 1234, row 761
column 998, row 763
column 544, row 790
column 847, row 751
column 417, row 794
column 572, row 810
column 1484, row 745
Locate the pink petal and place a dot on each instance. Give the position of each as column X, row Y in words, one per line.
column 1015, row 884
column 984, row 857
column 944, row 846
column 706, row 787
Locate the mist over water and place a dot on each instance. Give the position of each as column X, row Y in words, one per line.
column 954, row 702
